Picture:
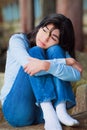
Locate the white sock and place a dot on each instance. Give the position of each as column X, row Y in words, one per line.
column 50, row 117
column 64, row 117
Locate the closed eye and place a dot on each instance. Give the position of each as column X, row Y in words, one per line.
column 54, row 38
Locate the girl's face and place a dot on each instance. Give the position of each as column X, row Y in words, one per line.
column 47, row 36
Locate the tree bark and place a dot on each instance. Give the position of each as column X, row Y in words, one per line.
column 73, row 10
column 26, row 15
column 48, row 7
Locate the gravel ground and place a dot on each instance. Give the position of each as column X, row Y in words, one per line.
column 5, row 126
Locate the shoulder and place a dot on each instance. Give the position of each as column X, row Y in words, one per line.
column 19, row 39
column 18, row 36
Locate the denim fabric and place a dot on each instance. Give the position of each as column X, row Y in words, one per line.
column 47, row 87
column 63, row 89
column 43, row 86
column 19, row 107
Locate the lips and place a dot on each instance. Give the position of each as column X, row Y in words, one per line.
column 41, row 43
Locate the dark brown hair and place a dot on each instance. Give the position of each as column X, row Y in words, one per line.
column 64, row 24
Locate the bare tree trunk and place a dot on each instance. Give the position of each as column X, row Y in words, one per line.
column 1, row 19
column 73, row 10
column 48, row 7
column 26, row 14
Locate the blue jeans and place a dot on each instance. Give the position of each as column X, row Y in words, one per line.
column 19, row 107
column 63, row 89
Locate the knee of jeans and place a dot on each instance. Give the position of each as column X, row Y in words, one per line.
column 37, row 52
column 20, row 121
column 20, row 117
column 55, row 52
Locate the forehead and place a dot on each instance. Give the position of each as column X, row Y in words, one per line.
column 52, row 28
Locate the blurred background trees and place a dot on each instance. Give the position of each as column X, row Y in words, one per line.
column 24, row 15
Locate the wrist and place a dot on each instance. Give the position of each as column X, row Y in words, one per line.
column 46, row 65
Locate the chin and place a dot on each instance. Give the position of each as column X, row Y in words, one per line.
column 41, row 46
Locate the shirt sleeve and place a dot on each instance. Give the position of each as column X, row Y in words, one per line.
column 64, row 72
column 18, row 49
column 59, row 69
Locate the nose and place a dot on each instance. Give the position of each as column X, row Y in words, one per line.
column 46, row 36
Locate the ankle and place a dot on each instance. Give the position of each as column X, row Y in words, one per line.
column 64, row 117
column 50, row 117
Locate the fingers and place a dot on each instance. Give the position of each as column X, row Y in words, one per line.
column 78, row 67
column 26, row 69
column 29, row 70
column 34, row 66
column 31, row 73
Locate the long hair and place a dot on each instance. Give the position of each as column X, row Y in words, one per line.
column 64, row 24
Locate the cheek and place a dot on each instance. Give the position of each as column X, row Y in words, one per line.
column 37, row 38
column 38, row 35
column 53, row 43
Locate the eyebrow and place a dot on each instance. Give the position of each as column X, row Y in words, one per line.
column 47, row 28
column 53, row 34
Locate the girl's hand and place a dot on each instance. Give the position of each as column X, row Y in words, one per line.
column 35, row 65
column 72, row 62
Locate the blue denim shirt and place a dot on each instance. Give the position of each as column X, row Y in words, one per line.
column 17, row 56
